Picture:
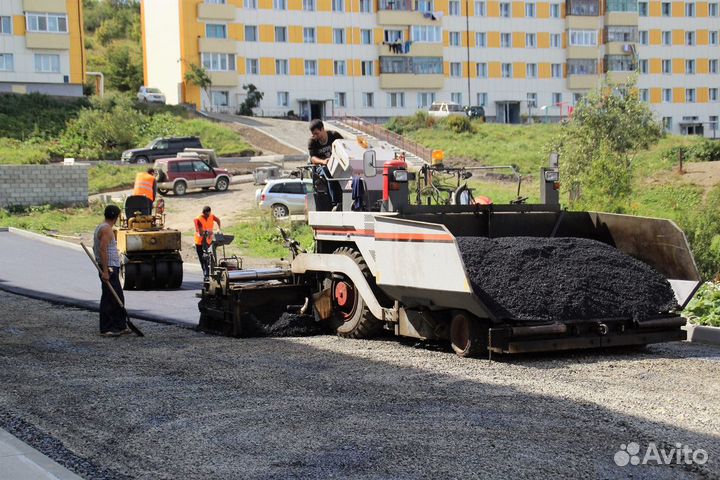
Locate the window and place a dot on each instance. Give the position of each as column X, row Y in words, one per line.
column 6, row 25
column 584, row 66
column 667, row 123
column 6, row 62
column 280, row 4
column 338, row 36
column 366, row 68
column 622, row 6
column 584, row 7
column 531, row 70
column 530, row 40
column 555, row 10
column 455, row 69
column 689, row 9
column 481, row 70
column 667, row 38
column 713, row 38
column 46, row 22
column 643, row 66
column 365, row 6
column 309, row 5
column 414, row 65
column 215, row 2
column 667, row 95
column 556, row 98
column 310, row 67
column 480, row 39
column 620, row 63
column 250, row 33
column 713, row 96
column 219, row 98
column 644, row 95
column 366, row 36
column 218, row 62
column 480, row 10
column 531, row 100
column 396, row 100
column 214, row 30
column 425, row 99
column 424, row 5
column 505, row 9
column 713, row 9
column 251, row 66
column 482, row 98
column 454, row 7
column 456, row 97
column 393, row 36
column 283, row 99
column 252, row 4
column 338, row 5
column 643, row 37
column 454, row 38
column 690, row 95
column 556, row 70
column 713, row 66
column 505, row 40
column 643, row 9
column 622, row 34
column 339, row 67
column 340, row 99
column 583, row 38
column 281, row 67
column 666, row 66
column 46, row 63
column 309, row 35
column 368, row 99
column 281, row 34
column 689, row 38
column 507, row 70
column 556, row 40
column 690, row 67
column 426, row 34
column 666, row 9
column 530, row 10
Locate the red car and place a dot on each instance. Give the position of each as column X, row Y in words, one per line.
column 180, row 174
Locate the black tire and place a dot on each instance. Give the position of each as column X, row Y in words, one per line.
column 279, row 210
column 180, row 188
column 176, row 273
column 162, row 191
column 146, row 278
column 354, row 320
column 161, row 176
column 222, row 184
column 162, row 274
column 128, row 276
column 141, row 160
column 468, row 336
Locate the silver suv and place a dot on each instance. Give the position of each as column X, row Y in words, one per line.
column 284, row 196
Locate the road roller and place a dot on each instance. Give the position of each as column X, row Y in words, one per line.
column 151, row 252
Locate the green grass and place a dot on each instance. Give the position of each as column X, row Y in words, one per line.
column 222, row 139
column 16, row 152
column 676, row 201
column 46, row 219
column 259, row 237
column 106, row 177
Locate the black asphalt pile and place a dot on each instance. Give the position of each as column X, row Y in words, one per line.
column 555, row 279
column 265, row 324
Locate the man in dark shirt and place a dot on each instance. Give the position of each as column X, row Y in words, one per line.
column 320, row 151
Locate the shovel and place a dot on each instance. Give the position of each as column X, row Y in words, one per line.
column 130, row 325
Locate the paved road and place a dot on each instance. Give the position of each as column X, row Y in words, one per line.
column 49, row 269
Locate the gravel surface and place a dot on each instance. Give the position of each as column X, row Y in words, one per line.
column 555, row 279
column 180, row 404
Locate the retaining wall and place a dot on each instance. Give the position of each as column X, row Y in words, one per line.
column 30, row 185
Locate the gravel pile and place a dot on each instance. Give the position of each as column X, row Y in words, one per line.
column 555, row 279
column 287, row 325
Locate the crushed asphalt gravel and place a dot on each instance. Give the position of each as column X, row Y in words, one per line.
column 555, row 279
column 181, row 404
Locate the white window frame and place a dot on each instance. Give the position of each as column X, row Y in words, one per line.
column 690, row 66
column 280, row 5
column 7, row 62
column 555, row 11
column 713, row 66
column 454, row 8
column 556, row 70
column 505, row 40
column 663, row 63
column 689, row 9
column 396, row 99
column 218, row 61
column 48, row 19
column 505, row 9
column 666, row 12
column 531, row 70
column 425, row 99
column 456, row 97
column 224, row 94
column 426, row 34
column 481, row 39
column 690, row 38
column 713, row 38
column 667, row 95
column 366, row 6
column 530, row 40
column 309, row 35
column 47, row 63
column 368, row 99
column 507, row 70
column 481, row 70
column 530, row 11
column 713, row 94
column 338, row 5
column 482, row 99
column 666, row 38
column 215, row 2
column 531, row 99
column 308, row 5
column 556, row 98
column 252, row 66
column 311, row 68
column 283, row 99
column 456, row 69
column 583, row 38
column 6, row 25
column 339, row 68
column 556, row 40
column 214, row 26
column 643, row 37
column 366, row 34
column 250, row 4
column 285, row 34
column 282, row 66
column 366, row 68
column 690, row 96
column 454, row 39
column 341, row 38
column 251, row 28
column 643, row 66
column 480, row 8
column 644, row 95
column 340, row 100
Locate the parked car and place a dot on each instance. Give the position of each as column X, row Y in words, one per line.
column 475, row 112
column 160, row 148
column 181, row 174
column 284, row 196
column 150, row 95
column 445, row 109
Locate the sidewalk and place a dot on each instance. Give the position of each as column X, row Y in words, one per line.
column 20, row 461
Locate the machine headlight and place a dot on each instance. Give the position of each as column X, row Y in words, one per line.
column 552, row 176
column 400, row 175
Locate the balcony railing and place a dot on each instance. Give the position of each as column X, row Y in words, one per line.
column 622, row 6
column 583, row 7
column 401, row 5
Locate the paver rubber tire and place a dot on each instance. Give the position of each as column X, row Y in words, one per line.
column 353, row 319
column 141, row 160
column 468, row 336
column 222, row 184
column 279, row 210
column 180, row 188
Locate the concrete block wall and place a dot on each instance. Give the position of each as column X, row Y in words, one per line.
column 32, row 185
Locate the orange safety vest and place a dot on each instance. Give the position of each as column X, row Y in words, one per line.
column 144, row 183
column 206, row 224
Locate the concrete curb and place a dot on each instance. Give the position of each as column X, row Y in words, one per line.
column 20, row 461
column 703, row 334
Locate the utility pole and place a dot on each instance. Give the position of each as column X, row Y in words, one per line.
column 467, row 47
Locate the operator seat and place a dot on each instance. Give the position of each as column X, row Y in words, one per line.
column 137, row 203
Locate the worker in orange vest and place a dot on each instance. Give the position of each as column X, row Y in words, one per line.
column 145, row 184
column 203, row 236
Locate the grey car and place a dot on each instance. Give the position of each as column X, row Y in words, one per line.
column 284, row 196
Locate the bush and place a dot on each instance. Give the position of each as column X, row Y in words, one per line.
column 16, row 152
column 457, row 124
column 402, row 125
column 35, row 115
column 704, row 308
column 707, row 151
column 703, row 232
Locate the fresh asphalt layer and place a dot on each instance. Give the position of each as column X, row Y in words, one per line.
column 57, row 271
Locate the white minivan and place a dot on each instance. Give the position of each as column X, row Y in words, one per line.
column 284, row 196
column 445, row 109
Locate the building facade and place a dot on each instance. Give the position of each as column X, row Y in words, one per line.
column 41, row 47
column 382, row 58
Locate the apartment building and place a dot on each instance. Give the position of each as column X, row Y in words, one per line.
column 41, row 47
column 382, row 58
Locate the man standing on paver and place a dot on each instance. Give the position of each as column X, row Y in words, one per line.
column 320, row 151
column 203, row 236
column 112, row 314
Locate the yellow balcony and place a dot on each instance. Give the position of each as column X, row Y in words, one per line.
column 583, row 52
column 45, row 6
column 619, row 77
column 618, row 48
column 583, row 82
column 578, row 22
column 216, row 12
column 217, row 45
column 410, row 81
column 224, row 79
column 625, row 19
column 404, row 17
column 47, row 41
column 416, row 50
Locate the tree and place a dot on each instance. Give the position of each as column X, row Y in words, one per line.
column 252, row 100
column 198, row 76
column 124, row 67
column 598, row 145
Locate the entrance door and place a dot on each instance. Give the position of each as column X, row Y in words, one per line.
column 317, row 110
column 508, row 112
